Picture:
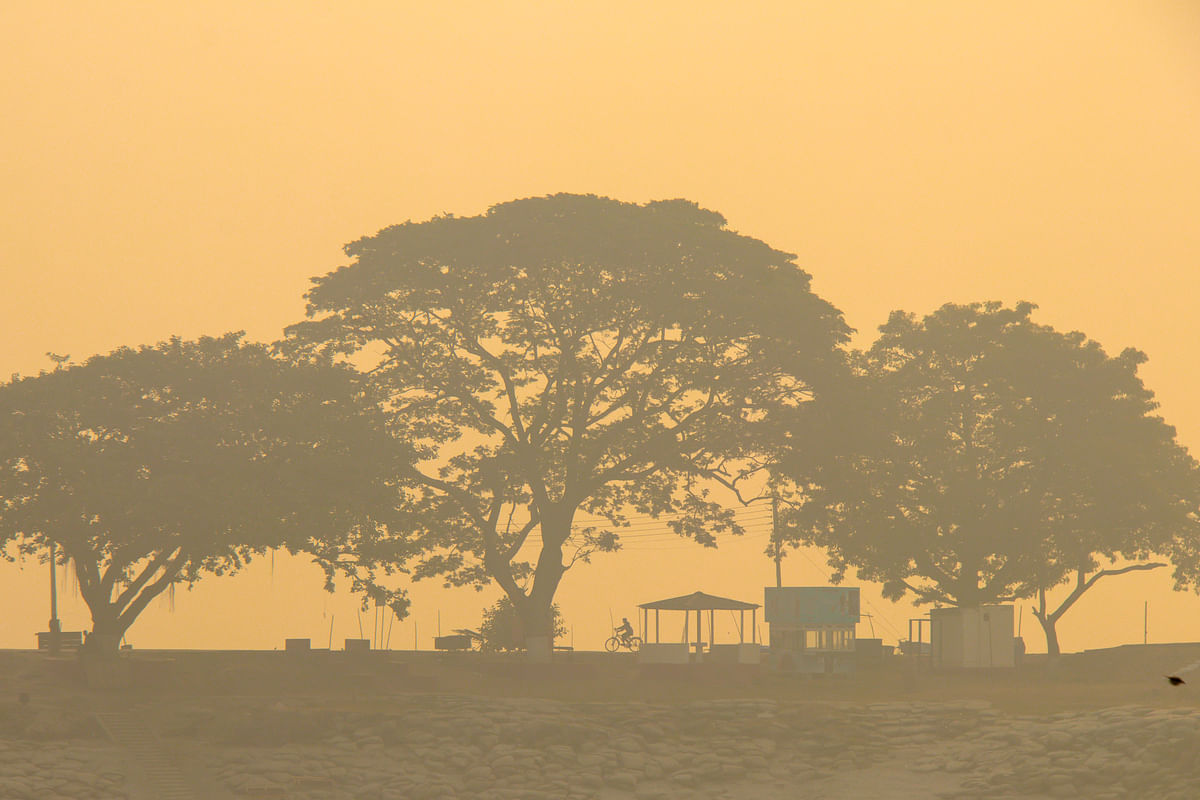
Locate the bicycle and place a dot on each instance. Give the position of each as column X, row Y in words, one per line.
column 630, row 643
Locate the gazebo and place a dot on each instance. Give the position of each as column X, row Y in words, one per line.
column 656, row 651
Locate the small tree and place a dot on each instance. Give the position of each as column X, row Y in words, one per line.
column 993, row 458
column 154, row 466
column 503, row 630
column 566, row 355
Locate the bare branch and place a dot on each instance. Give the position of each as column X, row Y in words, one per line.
column 1082, row 585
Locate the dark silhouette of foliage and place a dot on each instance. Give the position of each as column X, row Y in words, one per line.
column 154, row 466
column 571, row 354
column 993, row 458
column 502, row 629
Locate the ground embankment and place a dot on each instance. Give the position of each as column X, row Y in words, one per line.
column 434, row 746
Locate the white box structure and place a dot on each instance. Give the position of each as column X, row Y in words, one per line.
column 745, row 653
column 972, row 637
column 665, row 653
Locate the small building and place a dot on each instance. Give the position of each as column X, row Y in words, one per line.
column 812, row 627
column 972, row 637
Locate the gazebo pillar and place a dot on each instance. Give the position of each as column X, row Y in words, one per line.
column 656, row 626
column 742, row 627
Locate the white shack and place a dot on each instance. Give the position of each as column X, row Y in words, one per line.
column 972, row 637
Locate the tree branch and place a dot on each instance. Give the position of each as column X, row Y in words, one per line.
column 522, row 535
column 928, row 595
column 147, row 573
column 170, row 572
column 1082, row 585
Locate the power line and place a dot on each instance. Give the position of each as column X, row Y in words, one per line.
column 651, row 527
column 679, row 543
column 648, row 521
column 877, row 615
column 666, row 535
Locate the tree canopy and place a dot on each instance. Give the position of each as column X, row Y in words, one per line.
column 993, row 459
column 570, row 354
column 153, row 466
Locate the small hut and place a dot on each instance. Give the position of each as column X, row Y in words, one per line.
column 812, row 627
column 694, row 647
column 973, row 637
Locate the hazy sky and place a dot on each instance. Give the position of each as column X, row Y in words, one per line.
column 179, row 168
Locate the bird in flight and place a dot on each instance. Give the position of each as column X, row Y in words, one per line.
column 1174, row 680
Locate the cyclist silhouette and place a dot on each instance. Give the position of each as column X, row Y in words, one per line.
column 623, row 638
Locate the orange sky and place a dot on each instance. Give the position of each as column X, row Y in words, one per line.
column 176, row 168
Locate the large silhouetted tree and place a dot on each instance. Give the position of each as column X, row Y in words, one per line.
column 151, row 467
column 572, row 354
column 1116, row 488
column 994, row 458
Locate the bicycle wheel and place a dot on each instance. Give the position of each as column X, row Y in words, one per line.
column 612, row 644
column 635, row 644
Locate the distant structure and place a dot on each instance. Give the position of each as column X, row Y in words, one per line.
column 697, row 645
column 972, row 637
column 812, row 627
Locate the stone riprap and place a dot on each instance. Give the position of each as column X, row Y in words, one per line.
column 462, row 747
column 466, row 748
column 49, row 770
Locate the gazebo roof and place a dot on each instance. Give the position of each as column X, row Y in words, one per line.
column 698, row 601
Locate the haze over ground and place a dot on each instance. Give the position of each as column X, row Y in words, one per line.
column 185, row 170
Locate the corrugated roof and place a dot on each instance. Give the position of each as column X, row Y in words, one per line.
column 698, row 601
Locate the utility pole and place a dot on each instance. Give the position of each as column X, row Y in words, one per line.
column 775, row 538
column 55, row 625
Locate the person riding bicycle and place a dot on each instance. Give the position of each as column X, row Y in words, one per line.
column 624, row 631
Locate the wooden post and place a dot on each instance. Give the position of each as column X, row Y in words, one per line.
column 753, row 626
column 742, row 627
column 687, row 618
column 656, row 626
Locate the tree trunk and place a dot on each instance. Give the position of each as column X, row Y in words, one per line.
column 537, row 608
column 1048, row 628
column 113, row 615
column 102, row 667
column 538, row 621
column 107, row 632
